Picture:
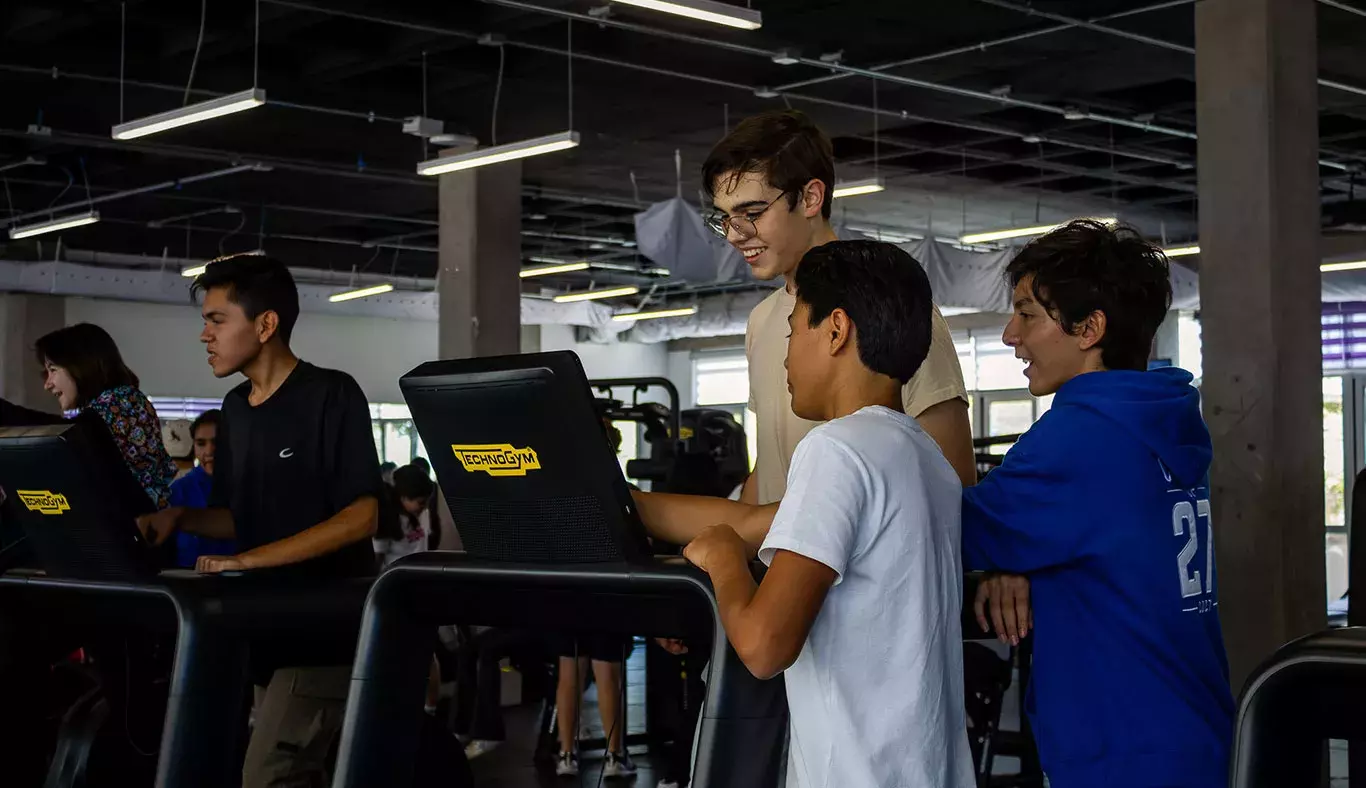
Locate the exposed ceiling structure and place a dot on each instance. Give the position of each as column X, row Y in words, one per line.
column 978, row 114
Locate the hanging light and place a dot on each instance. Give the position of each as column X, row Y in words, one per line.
column 706, row 11
column 499, row 153
column 554, row 268
column 194, row 113
column 1355, row 265
column 1022, row 232
column 54, row 224
column 364, row 292
column 855, row 188
column 595, row 295
column 1182, row 251
column 627, row 317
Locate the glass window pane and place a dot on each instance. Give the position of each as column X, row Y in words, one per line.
column 1334, row 475
column 398, row 447
column 997, row 367
column 1189, row 351
column 720, row 380
column 752, row 436
column 963, row 346
column 1009, row 417
column 378, row 429
column 630, row 443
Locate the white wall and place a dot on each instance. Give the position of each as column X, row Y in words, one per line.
column 615, row 360
column 161, row 344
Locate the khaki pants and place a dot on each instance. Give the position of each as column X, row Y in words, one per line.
column 298, row 722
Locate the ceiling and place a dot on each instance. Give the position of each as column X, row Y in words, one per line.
column 993, row 116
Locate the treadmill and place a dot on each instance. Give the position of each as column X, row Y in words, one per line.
column 73, row 497
column 553, row 542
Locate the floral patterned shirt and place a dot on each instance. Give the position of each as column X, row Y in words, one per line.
column 137, row 432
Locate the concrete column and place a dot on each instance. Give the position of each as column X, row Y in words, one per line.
column 1257, row 110
column 481, row 253
column 23, row 319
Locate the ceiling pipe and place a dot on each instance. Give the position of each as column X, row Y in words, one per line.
column 1155, row 42
column 122, row 195
column 1344, row 7
column 985, row 45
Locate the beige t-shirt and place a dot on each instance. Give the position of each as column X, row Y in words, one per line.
column 939, row 379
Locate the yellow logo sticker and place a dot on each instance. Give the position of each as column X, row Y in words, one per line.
column 497, row 459
column 44, row 502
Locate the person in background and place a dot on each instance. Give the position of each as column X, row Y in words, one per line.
column 175, row 436
column 192, row 491
column 421, row 464
column 386, row 472
column 404, row 516
column 83, row 369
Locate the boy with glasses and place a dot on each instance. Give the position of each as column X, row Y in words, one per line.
column 770, row 181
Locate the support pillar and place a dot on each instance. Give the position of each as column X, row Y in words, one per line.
column 24, row 318
column 479, row 310
column 1257, row 111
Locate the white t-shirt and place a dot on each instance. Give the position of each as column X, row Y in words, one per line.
column 876, row 695
column 414, row 539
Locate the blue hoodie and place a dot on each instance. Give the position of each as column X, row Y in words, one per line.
column 1104, row 504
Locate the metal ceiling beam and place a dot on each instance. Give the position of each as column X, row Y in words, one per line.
column 1344, row 7
column 1157, row 42
column 985, row 45
column 122, row 195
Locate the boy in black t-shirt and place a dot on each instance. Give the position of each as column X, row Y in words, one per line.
column 296, row 484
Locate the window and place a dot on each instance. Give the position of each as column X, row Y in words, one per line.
column 396, row 439
column 168, row 408
column 721, row 381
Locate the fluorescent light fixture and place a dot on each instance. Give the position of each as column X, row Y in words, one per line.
column 194, row 270
column 184, row 116
column 854, row 188
column 1021, row 232
column 54, row 224
column 629, row 317
column 500, row 153
column 594, row 295
column 364, row 292
column 705, row 10
column 1355, row 265
column 1182, row 251
column 547, row 270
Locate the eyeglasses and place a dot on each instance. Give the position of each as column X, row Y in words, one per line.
column 744, row 225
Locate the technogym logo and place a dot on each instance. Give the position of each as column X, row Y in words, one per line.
column 44, row 502
column 497, row 459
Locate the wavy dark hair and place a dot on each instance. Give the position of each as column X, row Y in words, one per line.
column 1087, row 266
column 90, row 356
column 785, row 146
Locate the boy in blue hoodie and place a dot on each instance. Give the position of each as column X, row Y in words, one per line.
column 1104, row 506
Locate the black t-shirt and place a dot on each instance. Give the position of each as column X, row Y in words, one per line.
column 296, row 460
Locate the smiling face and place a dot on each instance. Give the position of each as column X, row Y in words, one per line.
column 231, row 338
column 1052, row 356
column 58, row 382
column 205, row 441
column 782, row 234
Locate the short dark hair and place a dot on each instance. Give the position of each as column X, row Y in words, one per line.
column 90, row 356
column 1087, row 266
column 410, row 481
column 258, row 284
column 207, row 418
column 885, row 292
column 421, row 462
column 784, row 146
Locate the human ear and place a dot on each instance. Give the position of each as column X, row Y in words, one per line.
column 1092, row 330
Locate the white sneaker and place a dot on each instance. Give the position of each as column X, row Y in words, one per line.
column 614, row 765
column 480, row 747
column 567, row 765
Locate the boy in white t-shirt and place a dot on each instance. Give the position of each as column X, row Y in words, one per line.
column 860, row 606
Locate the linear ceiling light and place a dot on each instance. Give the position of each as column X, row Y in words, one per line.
column 1021, row 232
column 1355, row 265
column 594, row 295
column 499, row 153
column 705, row 10
column 194, row 270
column 855, row 188
column 1182, row 251
column 547, row 270
column 628, row 317
column 364, row 292
column 55, row 224
column 184, row 116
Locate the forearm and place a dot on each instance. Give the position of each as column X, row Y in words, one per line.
column 735, row 590
column 678, row 519
column 210, row 523
column 352, row 524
